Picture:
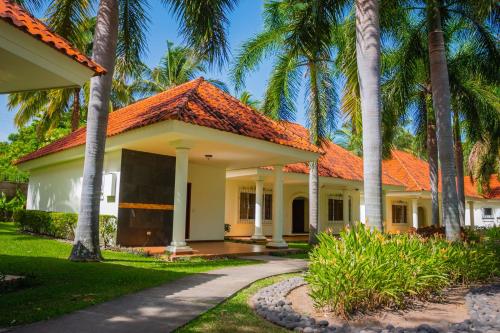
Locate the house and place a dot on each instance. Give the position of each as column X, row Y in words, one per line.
column 181, row 164
column 33, row 57
column 412, row 206
column 165, row 165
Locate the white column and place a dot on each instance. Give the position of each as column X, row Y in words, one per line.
column 471, row 213
column 278, row 241
column 345, row 207
column 414, row 209
column 178, row 244
column 259, row 194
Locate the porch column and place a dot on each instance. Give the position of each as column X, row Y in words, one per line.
column 259, row 193
column 345, row 207
column 414, row 209
column 278, row 241
column 178, row 244
column 471, row 213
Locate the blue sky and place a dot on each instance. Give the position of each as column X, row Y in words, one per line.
column 245, row 21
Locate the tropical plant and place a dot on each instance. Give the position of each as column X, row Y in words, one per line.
column 178, row 65
column 298, row 35
column 204, row 26
column 247, row 99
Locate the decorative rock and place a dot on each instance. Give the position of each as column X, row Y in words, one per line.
column 271, row 303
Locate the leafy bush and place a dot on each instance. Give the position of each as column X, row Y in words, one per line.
column 365, row 270
column 8, row 207
column 62, row 225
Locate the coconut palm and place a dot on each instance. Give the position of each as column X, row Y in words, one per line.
column 179, row 64
column 204, row 26
column 298, row 35
column 247, row 99
column 473, row 60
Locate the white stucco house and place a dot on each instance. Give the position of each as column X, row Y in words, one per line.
column 181, row 164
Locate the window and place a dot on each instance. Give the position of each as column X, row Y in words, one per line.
column 335, row 209
column 488, row 212
column 268, row 206
column 247, row 205
column 399, row 214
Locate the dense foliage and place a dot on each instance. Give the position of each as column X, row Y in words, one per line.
column 366, row 270
column 9, row 206
column 21, row 143
column 62, row 225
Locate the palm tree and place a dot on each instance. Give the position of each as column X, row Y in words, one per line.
column 298, row 35
column 368, row 61
column 471, row 65
column 247, row 99
column 179, row 64
column 204, row 26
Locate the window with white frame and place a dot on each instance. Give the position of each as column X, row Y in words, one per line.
column 247, row 205
column 399, row 213
column 335, row 208
column 487, row 213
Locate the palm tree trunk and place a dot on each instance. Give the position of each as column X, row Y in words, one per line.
column 368, row 59
column 313, row 166
column 432, row 151
column 459, row 157
column 86, row 243
column 75, row 113
column 441, row 100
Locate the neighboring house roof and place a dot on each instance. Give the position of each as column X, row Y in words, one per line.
column 197, row 102
column 18, row 17
column 336, row 162
column 413, row 172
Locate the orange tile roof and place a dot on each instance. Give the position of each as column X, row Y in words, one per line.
column 414, row 174
column 197, row 102
column 20, row 18
column 336, row 162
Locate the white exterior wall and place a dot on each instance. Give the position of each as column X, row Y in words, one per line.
column 478, row 212
column 58, row 187
column 207, row 202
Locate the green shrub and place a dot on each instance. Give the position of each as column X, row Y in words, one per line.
column 61, row 225
column 107, row 229
column 365, row 270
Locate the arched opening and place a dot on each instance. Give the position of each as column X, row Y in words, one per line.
column 300, row 215
column 421, row 217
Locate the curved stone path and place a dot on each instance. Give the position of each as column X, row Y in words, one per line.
column 167, row 307
column 270, row 302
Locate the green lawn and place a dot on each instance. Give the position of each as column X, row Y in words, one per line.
column 235, row 314
column 60, row 286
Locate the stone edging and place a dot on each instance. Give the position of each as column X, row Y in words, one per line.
column 271, row 304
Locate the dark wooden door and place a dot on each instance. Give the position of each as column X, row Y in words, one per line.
column 298, row 215
column 188, row 210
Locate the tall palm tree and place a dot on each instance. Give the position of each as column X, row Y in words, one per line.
column 178, row 65
column 247, row 99
column 298, row 35
column 473, row 61
column 368, row 61
column 204, row 26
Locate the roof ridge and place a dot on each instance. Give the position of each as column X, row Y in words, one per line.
column 187, row 95
column 405, row 168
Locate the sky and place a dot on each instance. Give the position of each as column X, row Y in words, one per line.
column 245, row 21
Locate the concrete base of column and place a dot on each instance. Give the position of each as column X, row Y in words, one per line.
column 258, row 238
column 175, row 249
column 277, row 244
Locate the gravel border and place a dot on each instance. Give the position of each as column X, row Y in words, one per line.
column 271, row 304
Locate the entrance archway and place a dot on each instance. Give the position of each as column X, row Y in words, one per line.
column 300, row 215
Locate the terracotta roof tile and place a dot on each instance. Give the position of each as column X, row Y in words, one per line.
column 336, row 162
column 414, row 174
column 20, row 18
column 197, row 102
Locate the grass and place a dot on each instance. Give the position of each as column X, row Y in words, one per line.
column 58, row 286
column 235, row 314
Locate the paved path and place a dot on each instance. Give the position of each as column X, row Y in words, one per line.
column 167, row 307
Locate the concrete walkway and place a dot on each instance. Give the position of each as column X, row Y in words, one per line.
column 167, row 307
